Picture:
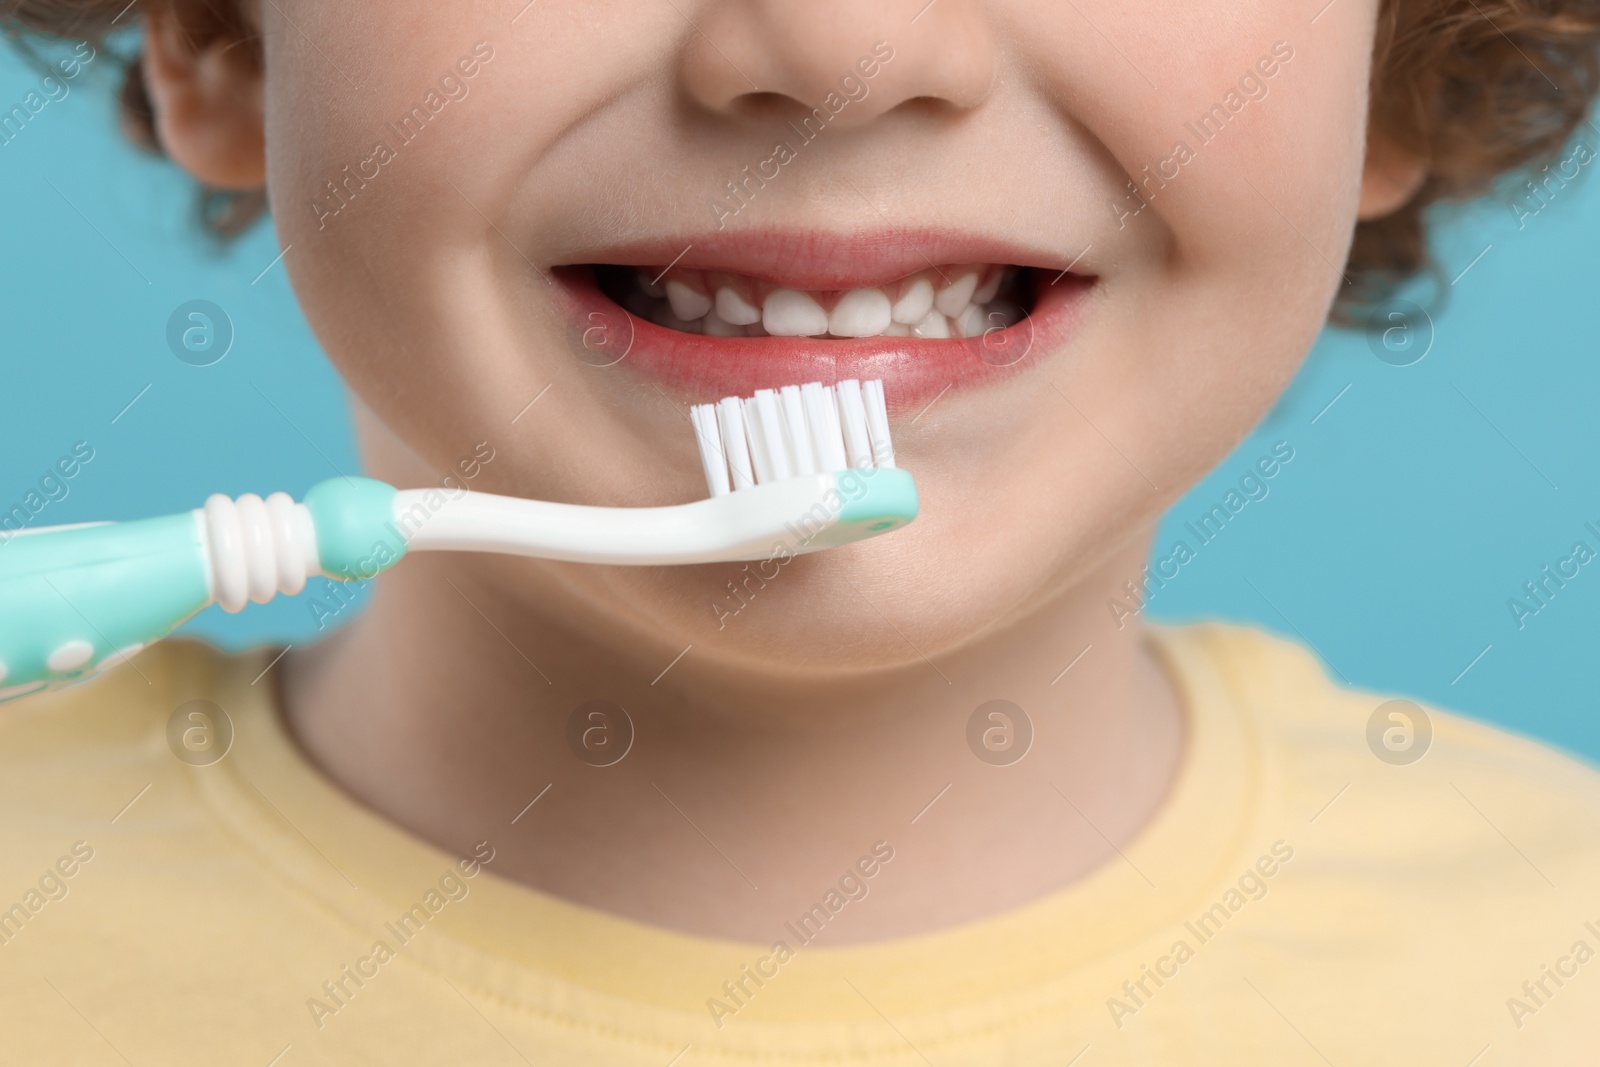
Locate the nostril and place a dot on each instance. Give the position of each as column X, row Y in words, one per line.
column 761, row 105
column 934, row 105
column 850, row 61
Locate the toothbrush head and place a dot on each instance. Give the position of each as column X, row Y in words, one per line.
column 832, row 439
column 791, row 432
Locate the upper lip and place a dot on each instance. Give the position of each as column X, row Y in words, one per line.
column 822, row 261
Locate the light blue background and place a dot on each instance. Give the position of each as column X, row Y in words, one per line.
column 1391, row 542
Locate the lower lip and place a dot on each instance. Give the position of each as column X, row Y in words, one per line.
column 914, row 371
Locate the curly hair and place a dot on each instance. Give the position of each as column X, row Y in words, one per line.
column 1475, row 89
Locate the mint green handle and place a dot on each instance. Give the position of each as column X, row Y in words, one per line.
column 73, row 601
column 70, row 601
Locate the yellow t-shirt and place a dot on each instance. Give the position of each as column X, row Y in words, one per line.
column 1297, row 900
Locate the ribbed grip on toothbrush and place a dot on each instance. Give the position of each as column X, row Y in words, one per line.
column 257, row 548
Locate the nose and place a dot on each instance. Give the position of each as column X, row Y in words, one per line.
column 857, row 59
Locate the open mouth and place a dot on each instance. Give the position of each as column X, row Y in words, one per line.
column 717, row 315
column 938, row 303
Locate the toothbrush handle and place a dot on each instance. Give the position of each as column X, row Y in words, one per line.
column 72, row 600
column 75, row 600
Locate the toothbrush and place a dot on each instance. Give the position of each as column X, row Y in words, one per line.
column 793, row 470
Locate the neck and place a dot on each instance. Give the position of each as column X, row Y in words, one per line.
column 741, row 799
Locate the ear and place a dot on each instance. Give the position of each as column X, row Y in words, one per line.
column 1390, row 177
column 203, row 72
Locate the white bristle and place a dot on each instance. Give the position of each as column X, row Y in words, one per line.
column 730, row 421
column 768, row 427
column 878, row 423
column 797, row 430
column 754, row 439
column 822, row 415
column 802, row 456
column 704, row 418
column 853, row 417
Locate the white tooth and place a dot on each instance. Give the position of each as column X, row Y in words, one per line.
column 989, row 289
column 914, row 304
column 735, row 308
column 717, row 326
column 650, row 287
column 897, row 329
column 934, row 327
column 791, row 313
column 686, row 303
column 951, row 300
column 860, row 313
column 971, row 322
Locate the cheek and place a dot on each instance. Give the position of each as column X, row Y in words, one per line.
column 1251, row 202
column 1235, row 230
column 393, row 259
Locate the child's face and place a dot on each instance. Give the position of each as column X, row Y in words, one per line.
column 446, row 277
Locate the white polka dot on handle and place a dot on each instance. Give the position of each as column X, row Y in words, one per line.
column 70, row 656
